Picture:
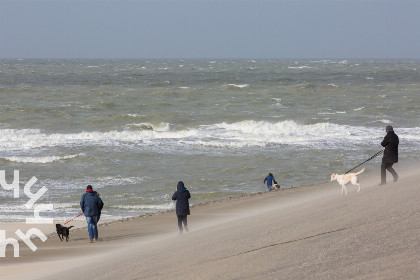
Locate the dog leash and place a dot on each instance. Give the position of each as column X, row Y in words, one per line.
column 372, row 157
column 74, row 218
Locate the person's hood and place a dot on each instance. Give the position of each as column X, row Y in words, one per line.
column 181, row 187
column 389, row 128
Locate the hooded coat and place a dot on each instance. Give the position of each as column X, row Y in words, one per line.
column 91, row 204
column 181, row 196
column 390, row 143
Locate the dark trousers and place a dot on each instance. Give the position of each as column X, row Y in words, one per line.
column 387, row 166
column 182, row 219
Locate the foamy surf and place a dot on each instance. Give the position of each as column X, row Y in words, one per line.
column 48, row 159
column 238, row 134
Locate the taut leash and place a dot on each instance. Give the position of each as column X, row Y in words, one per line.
column 74, row 218
column 372, row 157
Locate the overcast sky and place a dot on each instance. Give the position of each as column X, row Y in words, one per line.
column 209, row 28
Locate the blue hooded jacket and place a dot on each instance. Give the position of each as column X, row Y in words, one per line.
column 270, row 180
column 181, row 196
column 91, row 204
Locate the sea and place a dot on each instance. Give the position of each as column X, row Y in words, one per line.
column 133, row 128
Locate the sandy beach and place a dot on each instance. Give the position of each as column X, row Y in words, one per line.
column 308, row 232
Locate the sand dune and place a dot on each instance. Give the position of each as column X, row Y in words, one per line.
column 309, row 232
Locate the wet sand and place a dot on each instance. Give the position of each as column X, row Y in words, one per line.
column 308, row 232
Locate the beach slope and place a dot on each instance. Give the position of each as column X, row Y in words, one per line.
column 303, row 233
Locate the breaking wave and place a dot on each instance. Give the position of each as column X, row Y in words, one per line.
column 219, row 135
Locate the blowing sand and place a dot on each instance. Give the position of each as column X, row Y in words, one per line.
column 303, row 233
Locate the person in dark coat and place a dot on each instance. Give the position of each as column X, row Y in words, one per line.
column 390, row 144
column 182, row 205
column 91, row 205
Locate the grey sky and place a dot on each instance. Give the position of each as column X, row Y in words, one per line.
column 209, row 29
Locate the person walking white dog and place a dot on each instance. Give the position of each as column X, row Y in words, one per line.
column 390, row 144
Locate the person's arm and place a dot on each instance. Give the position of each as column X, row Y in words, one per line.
column 174, row 196
column 82, row 203
column 189, row 195
column 385, row 142
column 100, row 203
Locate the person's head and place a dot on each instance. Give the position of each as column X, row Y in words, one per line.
column 89, row 187
column 180, row 187
column 389, row 128
column 270, row 174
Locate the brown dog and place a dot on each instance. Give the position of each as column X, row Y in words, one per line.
column 344, row 179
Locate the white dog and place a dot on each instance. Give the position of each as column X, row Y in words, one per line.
column 275, row 187
column 344, row 179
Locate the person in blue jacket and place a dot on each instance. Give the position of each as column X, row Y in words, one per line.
column 91, row 205
column 182, row 205
column 270, row 180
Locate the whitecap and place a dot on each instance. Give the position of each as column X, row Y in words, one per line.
column 261, row 133
column 169, row 139
column 133, row 115
column 302, row 67
column 238, row 86
column 384, row 121
column 47, row 159
column 96, row 182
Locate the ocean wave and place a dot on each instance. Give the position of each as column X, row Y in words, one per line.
column 226, row 144
column 96, row 182
column 163, row 126
column 317, row 135
column 48, row 159
column 385, row 121
column 12, row 218
column 168, row 138
column 237, row 86
column 133, row 115
column 73, row 207
column 302, row 67
column 332, row 113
